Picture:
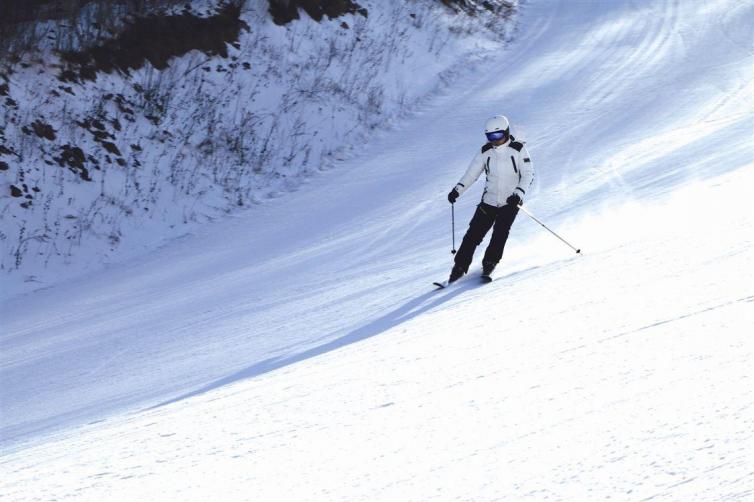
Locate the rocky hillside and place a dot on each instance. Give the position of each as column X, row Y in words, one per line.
column 117, row 136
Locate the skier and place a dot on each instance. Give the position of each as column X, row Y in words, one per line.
column 510, row 173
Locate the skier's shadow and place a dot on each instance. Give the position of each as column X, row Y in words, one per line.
column 402, row 314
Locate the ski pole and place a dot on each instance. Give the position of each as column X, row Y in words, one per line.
column 522, row 208
column 453, row 226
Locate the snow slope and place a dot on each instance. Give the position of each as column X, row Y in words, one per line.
column 297, row 351
column 95, row 172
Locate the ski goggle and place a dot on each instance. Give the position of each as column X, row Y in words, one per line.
column 496, row 135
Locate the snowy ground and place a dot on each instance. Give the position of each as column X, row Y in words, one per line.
column 298, row 351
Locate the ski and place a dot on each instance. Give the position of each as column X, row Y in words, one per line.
column 484, row 279
column 444, row 284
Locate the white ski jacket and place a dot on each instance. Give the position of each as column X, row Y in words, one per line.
column 508, row 168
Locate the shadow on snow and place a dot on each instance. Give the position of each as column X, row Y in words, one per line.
column 404, row 313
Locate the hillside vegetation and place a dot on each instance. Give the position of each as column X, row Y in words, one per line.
column 118, row 132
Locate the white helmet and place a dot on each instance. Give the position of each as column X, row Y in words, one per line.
column 496, row 123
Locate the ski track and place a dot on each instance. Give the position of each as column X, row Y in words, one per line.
column 299, row 351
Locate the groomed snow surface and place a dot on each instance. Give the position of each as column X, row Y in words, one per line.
column 299, row 352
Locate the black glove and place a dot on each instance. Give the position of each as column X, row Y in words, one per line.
column 514, row 200
column 452, row 196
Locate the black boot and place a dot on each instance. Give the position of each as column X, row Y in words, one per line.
column 487, row 268
column 455, row 274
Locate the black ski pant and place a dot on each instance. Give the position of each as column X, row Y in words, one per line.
column 484, row 218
